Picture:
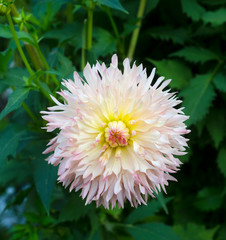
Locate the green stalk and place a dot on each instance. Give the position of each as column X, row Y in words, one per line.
column 23, row 56
column 46, row 64
column 136, row 31
column 115, row 29
column 30, row 113
column 89, row 28
column 35, row 54
column 18, row 44
column 116, row 32
column 83, row 57
column 32, row 52
column 69, row 12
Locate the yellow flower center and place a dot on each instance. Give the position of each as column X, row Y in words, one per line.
column 117, row 134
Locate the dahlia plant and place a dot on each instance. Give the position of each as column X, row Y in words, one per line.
column 119, row 134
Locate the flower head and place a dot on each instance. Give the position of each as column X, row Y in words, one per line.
column 119, row 135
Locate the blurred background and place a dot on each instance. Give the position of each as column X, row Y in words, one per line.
column 42, row 42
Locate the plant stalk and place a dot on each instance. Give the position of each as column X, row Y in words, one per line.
column 18, row 44
column 30, row 113
column 83, row 54
column 136, row 31
column 89, row 32
column 36, row 55
column 26, row 63
column 114, row 26
column 33, row 53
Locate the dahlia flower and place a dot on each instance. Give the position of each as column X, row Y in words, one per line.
column 118, row 134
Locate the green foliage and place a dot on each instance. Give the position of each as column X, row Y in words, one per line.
column 9, row 140
column 209, row 199
column 192, row 9
column 216, row 130
column 15, row 77
column 220, row 82
column 195, row 232
column 105, row 43
column 157, row 231
column 197, row 107
column 67, row 32
column 196, row 54
column 115, row 4
column 221, row 161
column 144, row 212
column 216, row 18
column 45, row 176
column 70, row 213
column 23, row 36
column 4, row 59
column 175, row 70
column 178, row 35
column 15, row 100
column 66, row 67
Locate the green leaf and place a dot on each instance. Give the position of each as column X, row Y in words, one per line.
column 67, row 32
column 5, row 31
column 23, row 36
column 162, row 200
column 150, row 5
column 46, row 10
column 221, row 161
column 166, row 33
column 220, row 82
column 216, row 18
column 192, row 9
column 45, row 87
column 115, row 4
column 74, row 208
column 209, row 199
column 105, row 43
column 175, row 70
column 15, row 100
column 144, row 211
column 216, row 130
column 9, row 140
column 156, row 231
column 213, row 3
column 45, row 176
column 195, row 232
column 196, row 54
column 9, row 170
column 4, row 59
column 198, row 96
column 15, row 77
column 66, row 67
column 26, row 37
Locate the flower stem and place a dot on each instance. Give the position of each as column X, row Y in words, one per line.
column 30, row 113
column 136, row 31
column 83, row 57
column 89, row 27
column 114, row 26
column 18, row 44
column 23, row 56
column 46, row 64
column 116, row 32
column 35, row 54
